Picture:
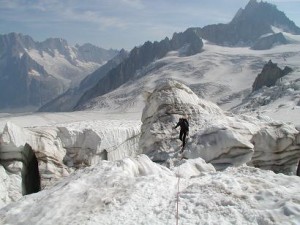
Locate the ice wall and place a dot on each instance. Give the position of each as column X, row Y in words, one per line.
column 89, row 142
column 277, row 146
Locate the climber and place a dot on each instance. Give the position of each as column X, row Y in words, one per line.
column 184, row 130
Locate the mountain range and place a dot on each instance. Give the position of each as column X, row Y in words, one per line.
column 259, row 26
column 32, row 73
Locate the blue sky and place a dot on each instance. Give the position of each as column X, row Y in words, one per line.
column 120, row 23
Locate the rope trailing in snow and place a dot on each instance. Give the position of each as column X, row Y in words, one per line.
column 177, row 211
column 177, row 197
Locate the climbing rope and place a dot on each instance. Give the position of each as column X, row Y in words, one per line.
column 177, row 197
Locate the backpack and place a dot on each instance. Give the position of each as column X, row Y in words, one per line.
column 185, row 124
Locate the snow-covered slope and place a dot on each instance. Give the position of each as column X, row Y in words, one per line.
column 280, row 101
column 220, row 74
column 138, row 191
column 61, row 68
column 68, row 100
column 70, row 63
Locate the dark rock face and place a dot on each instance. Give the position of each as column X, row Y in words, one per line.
column 269, row 41
column 269, row 75
column 248, row 25
column 190, row 38
column 140, row 57
column 298, row 169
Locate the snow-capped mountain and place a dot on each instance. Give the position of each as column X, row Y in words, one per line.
column 223, row 74
column 68, row 100
column 249, row 25
column 32, row 73
column 187, row 43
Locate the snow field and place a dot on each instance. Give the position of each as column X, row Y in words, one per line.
column 223, row 75
column 138, row 191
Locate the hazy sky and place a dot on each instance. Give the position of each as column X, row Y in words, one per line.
column 120, row 23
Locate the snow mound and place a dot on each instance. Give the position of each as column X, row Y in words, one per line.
column 190, row 168
column 138, row 191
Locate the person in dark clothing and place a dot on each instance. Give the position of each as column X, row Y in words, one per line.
column 184, row 130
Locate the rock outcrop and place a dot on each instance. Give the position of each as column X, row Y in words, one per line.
column 269, row 75
column 219, row 139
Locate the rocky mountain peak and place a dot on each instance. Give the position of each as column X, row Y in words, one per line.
column 248, row 25
column 55, row 42
column 265, row 13
column 252, row 4
column 13, row 44
column 269, row 75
